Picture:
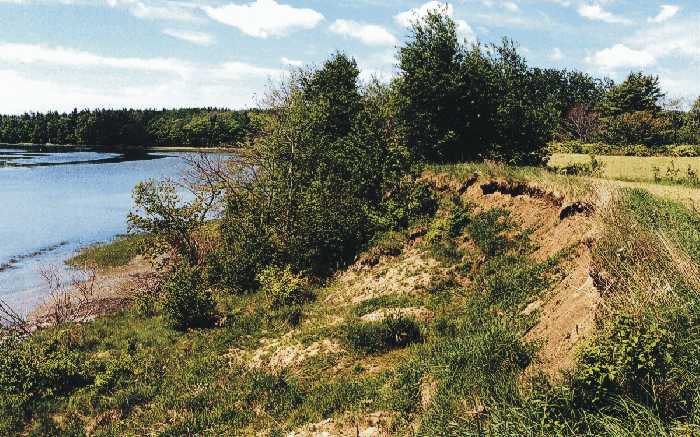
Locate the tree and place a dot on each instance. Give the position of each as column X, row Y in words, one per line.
column 317, row 174
column 639, row 92
column 429, row 87
column 581, row 123
column 694, row 113
column 458, row 103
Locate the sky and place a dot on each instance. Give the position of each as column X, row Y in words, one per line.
column 65, row 54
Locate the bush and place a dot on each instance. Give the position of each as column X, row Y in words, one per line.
column 411, row 201
column 632, row 359
column 186, row 301
column 443, row 231
column 593, row 168
column 381, row 336
column 282, row 287
column 32, row 371
column 640, row 127
column 488, row 230
column 327, row 178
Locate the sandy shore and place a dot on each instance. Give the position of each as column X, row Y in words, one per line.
column 112, row 290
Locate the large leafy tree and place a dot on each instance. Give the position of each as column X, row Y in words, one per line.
column 430, row 87
column 319, row 170
column 464, row 103
column 639, row 92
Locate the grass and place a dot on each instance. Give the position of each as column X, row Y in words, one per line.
column 117, row 253
column 462, row 372
column 381, row 336
column 628, row 168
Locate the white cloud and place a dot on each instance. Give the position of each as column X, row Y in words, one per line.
column 666, row 13
column 370, row 34
column 619, row 57
column 510, row 6
column 465, row 30
column 39, row 54
column 22, row 93
column 264, row 18
column 171, row 11
column 556, row 54
column 677, row 39
column 596, row 12
column 30, row 54
column 292, row 62
column 41, row 78
column 199, row 38
column 407, row 18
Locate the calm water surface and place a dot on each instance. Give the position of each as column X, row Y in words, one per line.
column 53, row 203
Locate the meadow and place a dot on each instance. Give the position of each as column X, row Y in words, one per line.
column 631, row 168
column 666, row 177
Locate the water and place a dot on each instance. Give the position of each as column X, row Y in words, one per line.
column 53, row 203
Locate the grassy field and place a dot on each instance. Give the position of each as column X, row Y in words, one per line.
column 629, row 168
column 639, row 172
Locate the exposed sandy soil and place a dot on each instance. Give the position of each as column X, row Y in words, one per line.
column 111, row 291
column 279, row 354
column 405, row 275
column 420, row 314
column 371, row 425
column 566, row 317
column 567, row 314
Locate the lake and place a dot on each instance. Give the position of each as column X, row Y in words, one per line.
column 53, row 202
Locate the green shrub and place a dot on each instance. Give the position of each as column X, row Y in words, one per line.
column 488, row 230
column 632, row 359
column 683, row 150
column 32, row 371
column 282, row 287
column 186, row 301
column 443, row 231
column 388, row 244
column 376, row 337
column 411, row 201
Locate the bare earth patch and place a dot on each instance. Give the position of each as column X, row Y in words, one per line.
column 110, row 291
column 567, row 314
column 420, row 314
column 406, row 275
column 369, row 425
column 280, row 354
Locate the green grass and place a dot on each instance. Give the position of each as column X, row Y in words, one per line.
column 461, row 373
column 381, row 336
column 628, row 168
column 117, row 253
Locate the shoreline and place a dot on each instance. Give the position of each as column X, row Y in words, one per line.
column 125, row 148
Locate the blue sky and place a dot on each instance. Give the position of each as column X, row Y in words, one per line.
column 61, row 54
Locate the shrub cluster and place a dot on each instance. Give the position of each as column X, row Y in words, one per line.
column 675, row 150
column 375, row 337
column 186, row 301
column 282, row 287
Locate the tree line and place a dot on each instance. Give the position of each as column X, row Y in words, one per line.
column 197, row 127
column 451, row 101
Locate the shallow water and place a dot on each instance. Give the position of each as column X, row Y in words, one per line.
column 52, row 203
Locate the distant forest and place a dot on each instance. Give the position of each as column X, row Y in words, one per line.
column 196, row 127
